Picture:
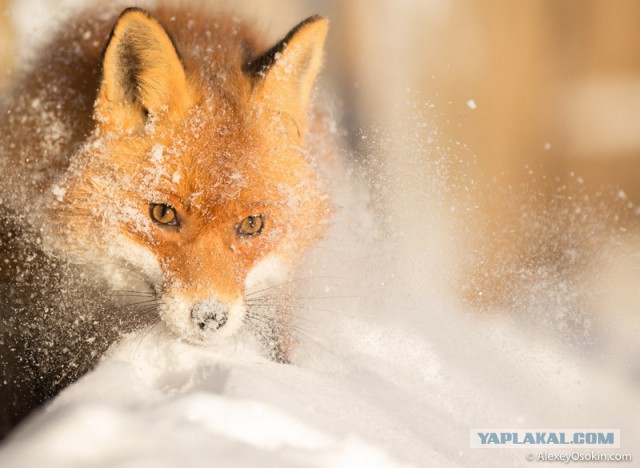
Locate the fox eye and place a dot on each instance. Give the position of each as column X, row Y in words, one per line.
column 163, row 214
column 251, row 226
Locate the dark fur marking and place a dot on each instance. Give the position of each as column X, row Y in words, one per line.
column 259, row 66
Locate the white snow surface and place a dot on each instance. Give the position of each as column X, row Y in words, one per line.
column 391, row 370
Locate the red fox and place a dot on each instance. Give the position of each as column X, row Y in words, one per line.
column 176, row 149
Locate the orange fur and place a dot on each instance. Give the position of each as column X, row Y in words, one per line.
column 191, row 111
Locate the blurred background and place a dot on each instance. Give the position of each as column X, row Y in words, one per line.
column 512, row 128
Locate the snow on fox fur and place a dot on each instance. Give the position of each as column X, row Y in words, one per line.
column 168, row 150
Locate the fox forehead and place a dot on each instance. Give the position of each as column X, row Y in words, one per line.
column 207, row 160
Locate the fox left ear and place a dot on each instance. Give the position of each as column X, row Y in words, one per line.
column 142, row 74
column 284, row 75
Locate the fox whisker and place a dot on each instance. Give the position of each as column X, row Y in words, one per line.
column 123, row 292
column 294, row 281
column 261, row 335
column 155, row 324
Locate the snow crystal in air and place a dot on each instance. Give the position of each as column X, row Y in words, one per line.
column 58, row 192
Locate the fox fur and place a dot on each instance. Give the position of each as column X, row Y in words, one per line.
column 169, row 150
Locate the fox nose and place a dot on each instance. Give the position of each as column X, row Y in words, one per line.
column 210, row 315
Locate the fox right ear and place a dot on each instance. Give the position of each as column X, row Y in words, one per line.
column 142, row 74
column 284, row 75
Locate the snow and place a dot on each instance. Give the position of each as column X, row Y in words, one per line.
column 188, row 410
column 391, row 369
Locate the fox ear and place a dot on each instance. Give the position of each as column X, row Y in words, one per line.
column 142, row 74
column 284, row 75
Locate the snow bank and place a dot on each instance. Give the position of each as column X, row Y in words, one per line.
column 113, row 418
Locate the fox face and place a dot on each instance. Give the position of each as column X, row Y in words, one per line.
column 197, row 177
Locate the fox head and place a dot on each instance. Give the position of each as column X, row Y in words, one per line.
column 197, row 176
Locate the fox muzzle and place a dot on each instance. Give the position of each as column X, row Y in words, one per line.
column 209, row 315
